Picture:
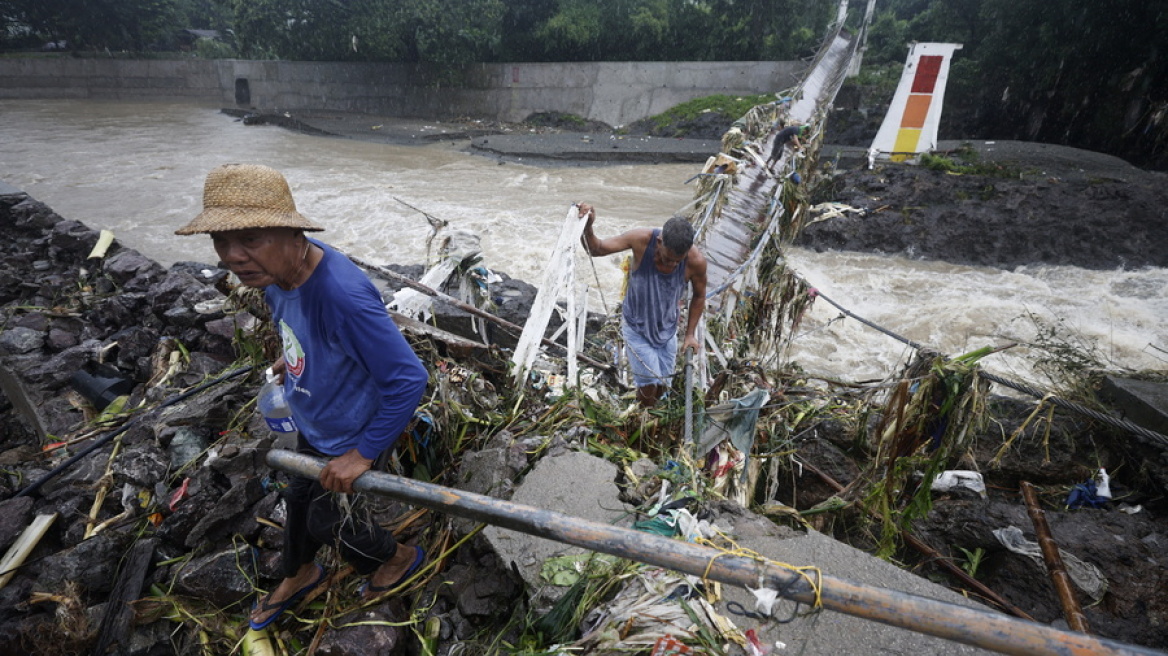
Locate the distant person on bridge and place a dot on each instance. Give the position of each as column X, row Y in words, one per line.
column 664, row 262
column 788, row 135
column 351, row 379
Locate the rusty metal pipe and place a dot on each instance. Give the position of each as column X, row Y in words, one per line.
column 1054, row 562
column 944, row 620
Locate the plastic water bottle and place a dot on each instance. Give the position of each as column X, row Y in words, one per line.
column 275, row 407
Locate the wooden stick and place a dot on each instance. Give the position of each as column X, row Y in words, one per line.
column 23, row 547
column 107, row 481
column 119, row 614
column 1054, row 562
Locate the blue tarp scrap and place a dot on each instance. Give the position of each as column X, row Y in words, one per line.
column 1086, row 495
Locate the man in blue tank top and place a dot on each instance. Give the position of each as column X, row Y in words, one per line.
column 664, row 261
column 788, row 135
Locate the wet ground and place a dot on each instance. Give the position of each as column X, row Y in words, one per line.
column 1039, row 204
column 507, row 141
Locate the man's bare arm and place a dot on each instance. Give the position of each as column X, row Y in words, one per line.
column 696, row 263
column 598, row 247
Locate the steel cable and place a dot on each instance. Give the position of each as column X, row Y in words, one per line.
column 1117, row 422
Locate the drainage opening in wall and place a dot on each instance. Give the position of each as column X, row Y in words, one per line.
column 242, row 91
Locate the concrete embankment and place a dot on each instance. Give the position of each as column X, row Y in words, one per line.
column 615, row 93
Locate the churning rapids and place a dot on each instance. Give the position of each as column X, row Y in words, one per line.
column 137, row 169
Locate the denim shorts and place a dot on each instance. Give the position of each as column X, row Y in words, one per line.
column 651, row 365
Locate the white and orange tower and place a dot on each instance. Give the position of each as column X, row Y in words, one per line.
column 910, row 126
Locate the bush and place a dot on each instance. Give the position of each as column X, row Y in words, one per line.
column 213, row 49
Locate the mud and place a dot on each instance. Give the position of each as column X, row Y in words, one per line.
column 1040, row 204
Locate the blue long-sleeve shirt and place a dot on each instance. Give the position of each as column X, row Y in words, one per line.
column 352, row 380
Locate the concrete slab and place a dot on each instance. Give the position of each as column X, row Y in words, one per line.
column 1140, row 401
column 830, row 633
column 584, row 486
column 573, row 483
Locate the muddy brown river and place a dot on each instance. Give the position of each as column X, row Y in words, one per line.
column 137, row 169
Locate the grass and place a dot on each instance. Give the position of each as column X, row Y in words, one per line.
column 727, row 108
column 966, row 161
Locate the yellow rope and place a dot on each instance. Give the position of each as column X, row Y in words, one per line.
column 810, row 573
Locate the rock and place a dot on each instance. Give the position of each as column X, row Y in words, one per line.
column 92, row 564
column 491, row 470
column 487, row 592
column 204, row 273
column 15, row 514
column 186, row 444
column 128, row 265
column 82, row 475
column 367, row 632
column 72, row 240
column 18, row 340
column 222, row 579
column 143, row 466
column 227, row 514
column 32, row 216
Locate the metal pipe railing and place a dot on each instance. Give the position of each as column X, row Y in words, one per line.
column 970, row 626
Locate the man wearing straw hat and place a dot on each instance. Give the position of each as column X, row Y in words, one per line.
column 351, row 379
column 665, row 261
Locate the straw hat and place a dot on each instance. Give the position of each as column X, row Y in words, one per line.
column 241, row 196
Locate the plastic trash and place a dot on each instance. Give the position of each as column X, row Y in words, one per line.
column 1086, row 494
column 953, row 479
column 274, row 406
column 1103, row 487
column 1086, row 577
column 185, row 446
column 100, row 384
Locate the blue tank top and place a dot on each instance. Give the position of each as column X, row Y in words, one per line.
column 651, row 302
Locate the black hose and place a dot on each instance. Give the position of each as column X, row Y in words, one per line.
column 104, row 439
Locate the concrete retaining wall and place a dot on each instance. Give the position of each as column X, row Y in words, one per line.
column 613, row 92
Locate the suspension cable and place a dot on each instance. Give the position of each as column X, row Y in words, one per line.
column 1157, row 438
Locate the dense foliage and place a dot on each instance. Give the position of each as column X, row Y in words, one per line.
column 1089, row 74
column 437, row 31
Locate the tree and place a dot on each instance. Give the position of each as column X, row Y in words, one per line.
column 455, row 32
column 98, row 24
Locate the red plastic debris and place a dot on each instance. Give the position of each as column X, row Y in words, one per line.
column 667, row 645
column 181, row 493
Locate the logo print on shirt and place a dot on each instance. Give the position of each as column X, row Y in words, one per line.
column 293, row 353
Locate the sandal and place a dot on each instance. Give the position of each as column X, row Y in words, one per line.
column 375, row 591
column 287, row 603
